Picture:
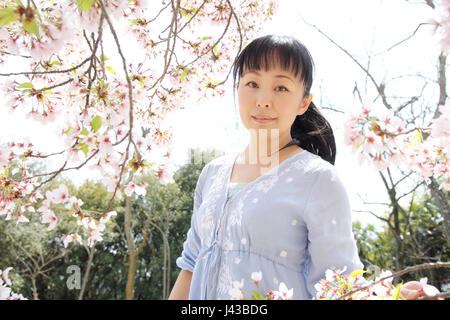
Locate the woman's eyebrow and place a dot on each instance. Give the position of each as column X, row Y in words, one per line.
column 276, row 76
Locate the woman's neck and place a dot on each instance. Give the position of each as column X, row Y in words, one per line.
column 265, row 151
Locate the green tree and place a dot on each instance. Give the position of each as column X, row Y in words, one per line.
column 419, row 237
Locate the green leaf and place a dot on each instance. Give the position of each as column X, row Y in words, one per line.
column 356, row 273
column 418, row 136
column 85, row 5
column 28, row 85
column 257, row 295
column 96, row 123
column 84, row 132
column 85, row 148
column 183, row 76
column 396, row 295
column 31, row 26
column 110, row 69
column 68, row 130
column 7, row 16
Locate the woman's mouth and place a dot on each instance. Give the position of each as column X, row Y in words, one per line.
column 262, row 120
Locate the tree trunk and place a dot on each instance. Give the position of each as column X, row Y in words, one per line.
column 86, row 273
column 131, row 250
column 441, row 202
column 168, row 264
column 33, row 283
column 131, row 275
column 133, row 254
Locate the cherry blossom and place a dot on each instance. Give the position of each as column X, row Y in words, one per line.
column 236, row 292
column 5, row 290
column 59, row 195
column 380, row 137
column 107, row 216
column 165, row 174
column 441, row 20
column 256, row 277
column 132, row 187
column 49, row 217
column 68, row 238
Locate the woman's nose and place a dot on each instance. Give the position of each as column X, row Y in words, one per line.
column 265, row 104
column 264, row 101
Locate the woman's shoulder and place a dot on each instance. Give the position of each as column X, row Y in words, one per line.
column 322, row 176
column 219, row 161
column 310, row 164
column 212, row 165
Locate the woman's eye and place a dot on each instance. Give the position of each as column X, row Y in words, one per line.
column 252, row 84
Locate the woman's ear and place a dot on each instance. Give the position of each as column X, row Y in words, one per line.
column 304, row 107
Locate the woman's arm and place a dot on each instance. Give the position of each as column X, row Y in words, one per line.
column 328, row 217
column 181, row 288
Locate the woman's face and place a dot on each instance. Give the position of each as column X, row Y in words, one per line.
column 276, row 94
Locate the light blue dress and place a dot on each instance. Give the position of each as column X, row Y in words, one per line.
column 292, row 223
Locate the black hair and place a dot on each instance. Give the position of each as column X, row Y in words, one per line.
column 311, row 131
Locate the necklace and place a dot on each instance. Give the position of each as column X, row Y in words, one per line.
column 292, row 142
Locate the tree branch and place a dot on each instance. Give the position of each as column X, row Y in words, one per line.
column 424, row 266
column 380, row 88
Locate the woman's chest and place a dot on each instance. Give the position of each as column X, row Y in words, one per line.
column 246, row 173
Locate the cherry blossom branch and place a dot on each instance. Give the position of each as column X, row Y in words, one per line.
column 167, row 62
column 406, row 39
column 62, row 169
column 212, row 47
column 94, row 50
column 45, row 156
column 17, row 55
column 130, row 97
column 160, row 11
column 424, row 266
column 54, row 175
column 439, row 295
column 232, row 13
column 193, row 16
column 34, row 92
column 47, row 72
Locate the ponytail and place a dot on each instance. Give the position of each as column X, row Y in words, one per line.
column 314, row 133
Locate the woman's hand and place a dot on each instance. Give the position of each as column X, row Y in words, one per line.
column 413, row 290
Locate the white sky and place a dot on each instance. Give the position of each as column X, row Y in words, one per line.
column 361, row 27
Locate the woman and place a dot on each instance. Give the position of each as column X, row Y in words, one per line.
column 284, row 213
